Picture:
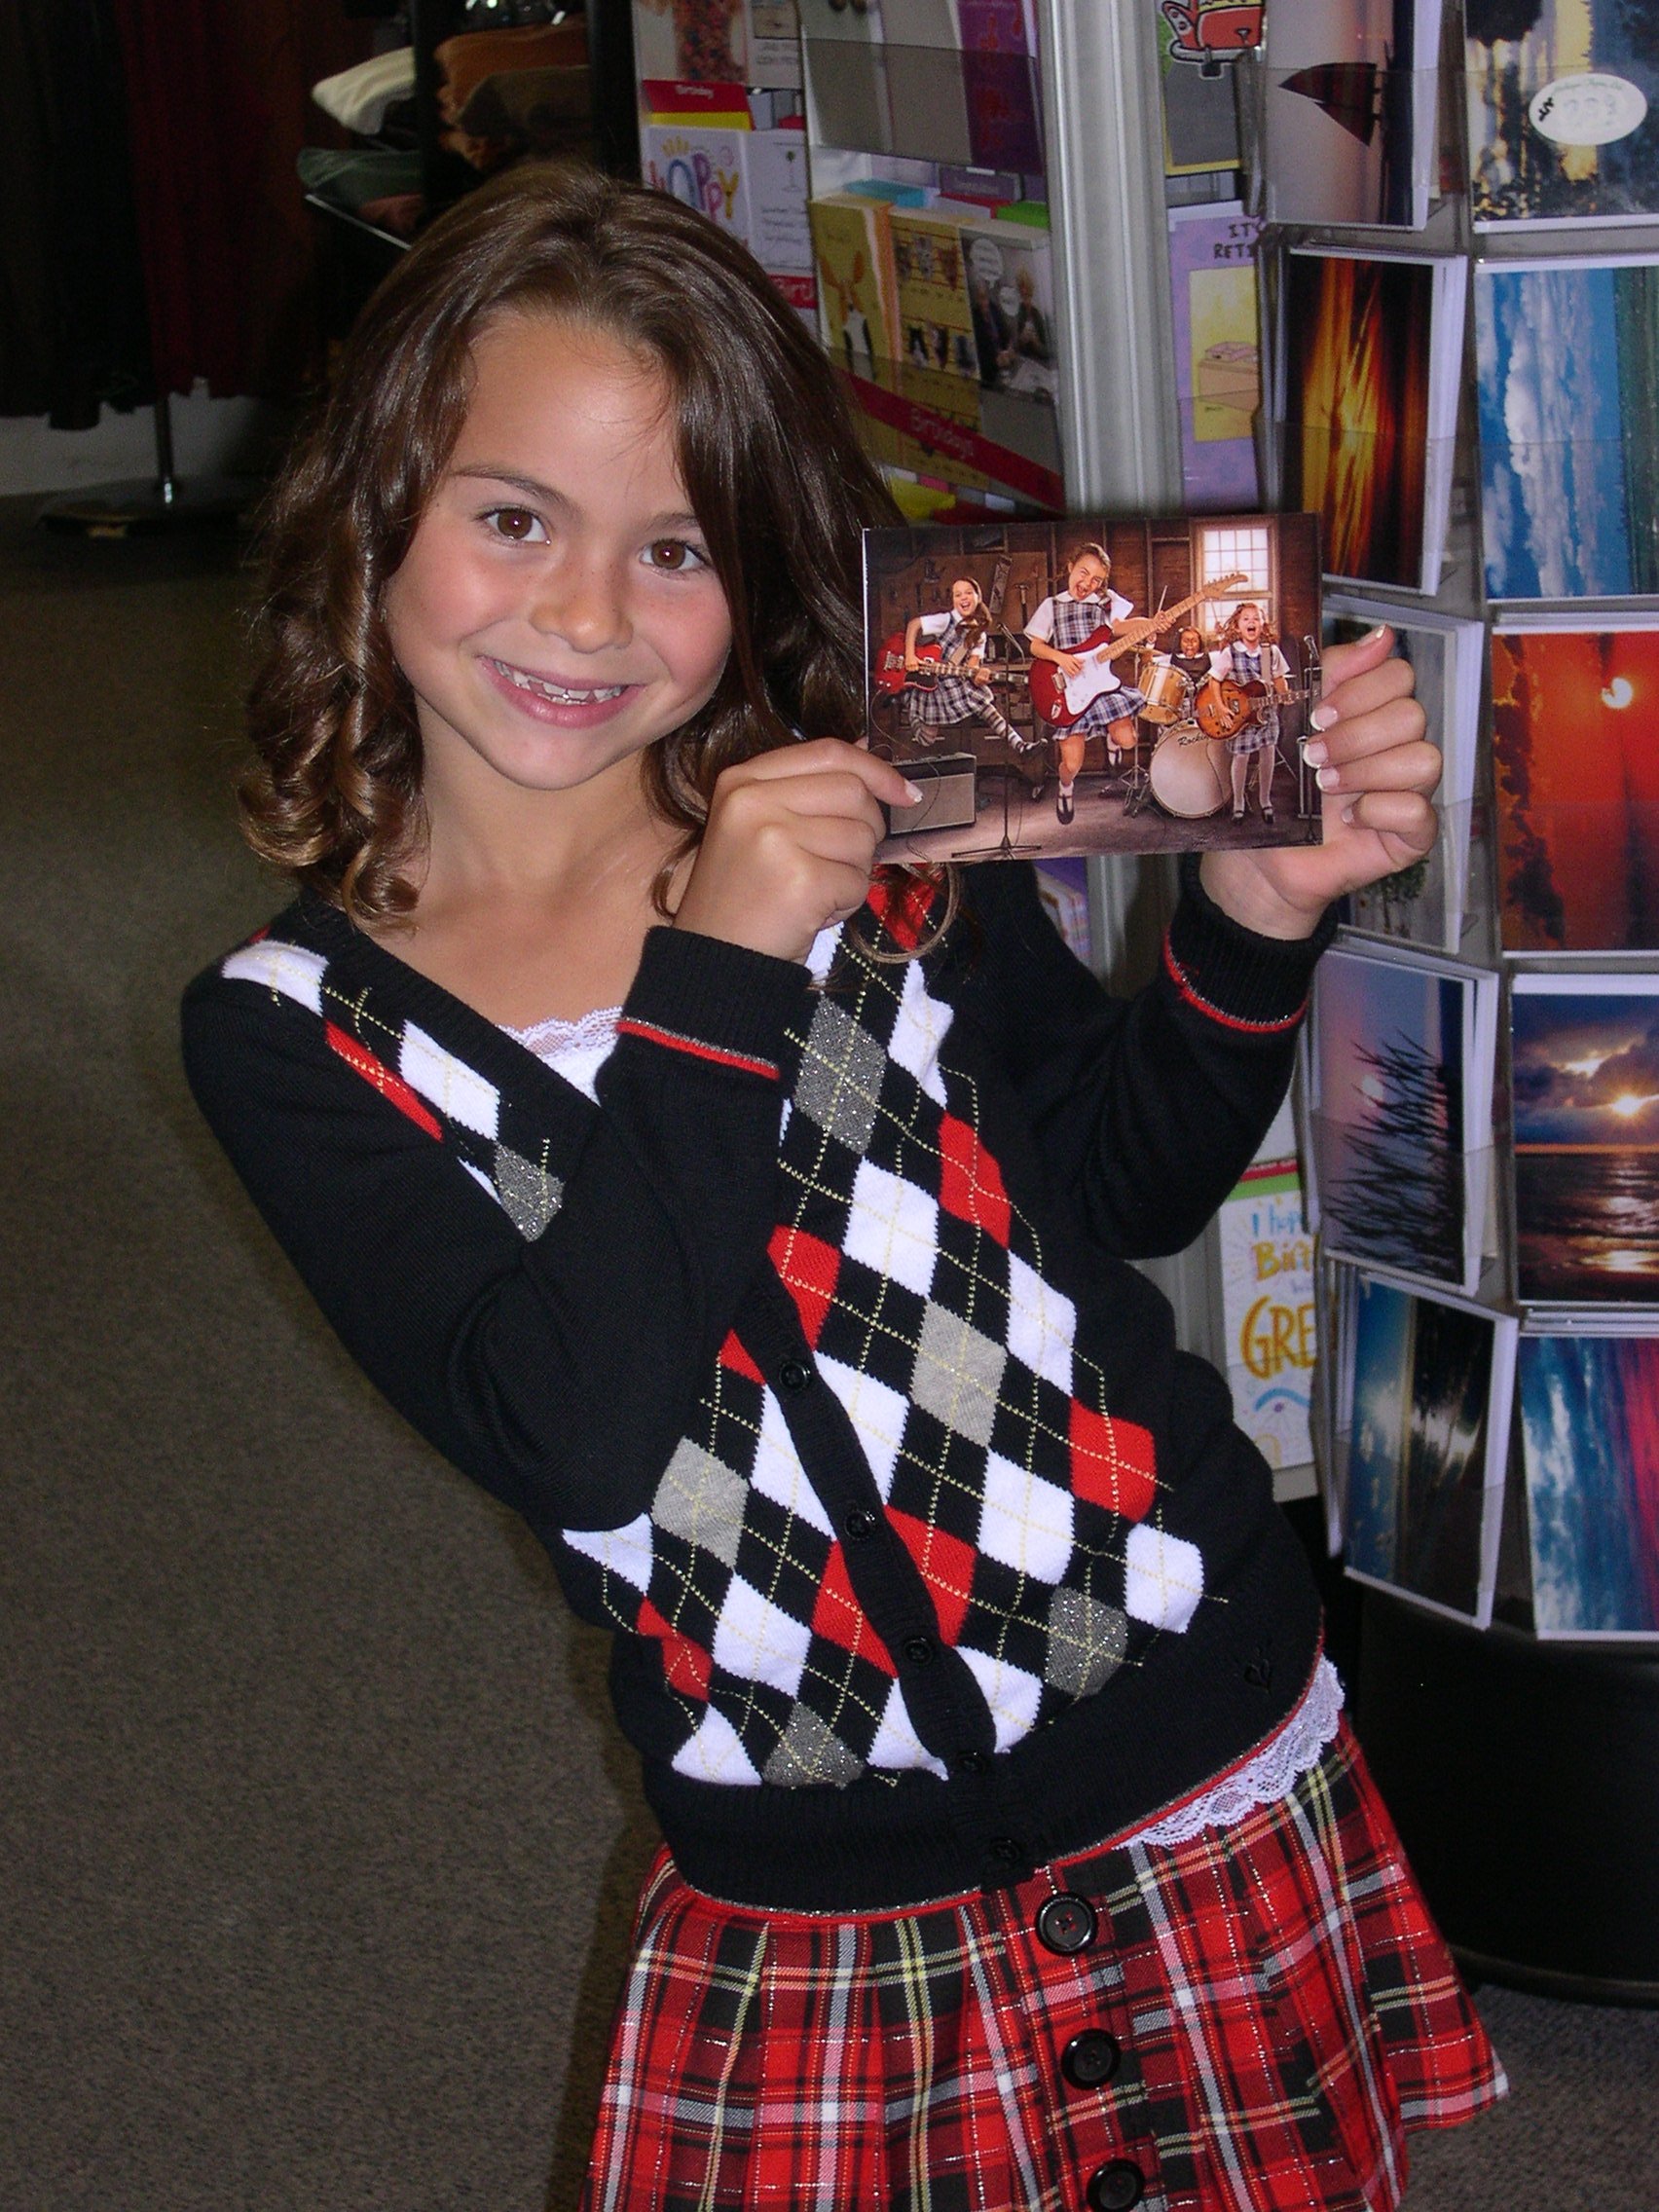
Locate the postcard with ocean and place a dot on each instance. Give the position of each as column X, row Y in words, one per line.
column 1589, row 1409
column 1564, row 111
column 1370, row 347
column 1432, row 1385
column 1584, row 1078
column 1575, row 751
column 1567, row 363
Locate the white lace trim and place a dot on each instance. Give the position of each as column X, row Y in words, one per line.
column 575, row 1049
column 1269, row 1777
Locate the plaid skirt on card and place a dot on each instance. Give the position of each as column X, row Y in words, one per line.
column 1252, row 2022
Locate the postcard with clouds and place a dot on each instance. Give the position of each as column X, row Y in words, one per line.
column 1566, row 357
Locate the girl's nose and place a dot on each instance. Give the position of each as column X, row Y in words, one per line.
column 584, row 603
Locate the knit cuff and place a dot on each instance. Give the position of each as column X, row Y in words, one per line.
column 1233, row 974
column 719, row 1003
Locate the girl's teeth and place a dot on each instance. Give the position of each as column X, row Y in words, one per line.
column 557, row 692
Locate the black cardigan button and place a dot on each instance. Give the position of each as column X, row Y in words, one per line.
column 1091, row 2059
column 918, row 1649
column 795, row 1375
column 861, row 1524
column 1066, row 1923
column 1116, row 2186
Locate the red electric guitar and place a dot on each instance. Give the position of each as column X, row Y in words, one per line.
column 890, row 676
column 1062, row 700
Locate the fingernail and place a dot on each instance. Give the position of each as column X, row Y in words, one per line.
column 1323, row 716
column 1348, row 812
column 1328, row 779
column 1371, row 636
column 913, row 793
column 1316, row 751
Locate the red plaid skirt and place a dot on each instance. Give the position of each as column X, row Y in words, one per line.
column 1261, row 2015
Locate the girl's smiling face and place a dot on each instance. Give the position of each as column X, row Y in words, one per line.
column 1087, row 579
column 1249, row 624
column 963, row 595
column 556, row 613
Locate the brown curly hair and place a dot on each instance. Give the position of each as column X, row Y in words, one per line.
column 771, row 464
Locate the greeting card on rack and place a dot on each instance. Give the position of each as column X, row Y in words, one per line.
column 1589, row 1426
column 1400, row 1056
column 1576, row 753
column 1095, row 684
column 1349, row 126
column 1567, row 365
column 1432, row 1391
column 1425, row 901
column 1368, row 354
column 1218, row 363
column 1584, row 1062
column 1563, row 112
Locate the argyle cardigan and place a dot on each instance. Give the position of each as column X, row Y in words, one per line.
column 811, row 1355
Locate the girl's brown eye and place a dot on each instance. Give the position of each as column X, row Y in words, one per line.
column 515, row 522
column 673, row 555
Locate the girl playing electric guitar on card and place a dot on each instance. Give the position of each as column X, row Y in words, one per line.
column 1064, row 621
column 960, row 690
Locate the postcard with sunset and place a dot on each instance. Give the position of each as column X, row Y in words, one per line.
column 1575, row 751
column 1368, row 401
column 1584, row 1075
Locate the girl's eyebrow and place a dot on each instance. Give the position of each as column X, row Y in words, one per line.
column 533, row 489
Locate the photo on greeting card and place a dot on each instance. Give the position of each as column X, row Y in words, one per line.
column 1589, row 1428
column 1563, row 112
column 1096, row 686
column 1433, row 1380
column 1584, row 1078
column 1576, row 755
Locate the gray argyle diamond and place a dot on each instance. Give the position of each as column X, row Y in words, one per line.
column 1087, row 1643
column 957, row 1375
column 809, row 1752
column 700, row 1500
column 840, row 1076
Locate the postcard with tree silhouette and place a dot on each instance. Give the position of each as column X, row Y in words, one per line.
column 1399, row 1059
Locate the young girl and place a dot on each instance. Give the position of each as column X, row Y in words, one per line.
column 1064, row 621
column 757, row 1228
column 961, row 691
column 1248, row 652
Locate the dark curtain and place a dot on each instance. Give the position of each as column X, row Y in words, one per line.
column 72, row 322
column 149, row 208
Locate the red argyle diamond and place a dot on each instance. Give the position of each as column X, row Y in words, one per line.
column 685, row 1664
column 1113, row 1464
column 970, row 1182
column 809, row 1268
column 947, row 1569
column 839, row 1618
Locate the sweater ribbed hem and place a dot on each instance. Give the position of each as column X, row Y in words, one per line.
column 1106, row 1766
column 1236, row 977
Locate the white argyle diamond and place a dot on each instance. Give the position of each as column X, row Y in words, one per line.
column 457, row 1089
column 279, row 967
column 1025, row 1522
column 920, row 1031
column 893, row 1227
column 897, row 1744
column 1163, row 1577
column 712, row 1752
column 1042, row 1324
column 777, row 1472
column 626, row 1551
column 1012, row 1694
column 758, row 1642
column 876, row 1413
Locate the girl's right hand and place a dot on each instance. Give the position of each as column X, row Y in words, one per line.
column 790, row 845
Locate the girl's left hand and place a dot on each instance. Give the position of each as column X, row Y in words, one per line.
column 1377, row 773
